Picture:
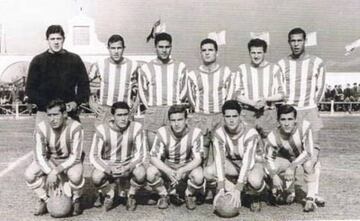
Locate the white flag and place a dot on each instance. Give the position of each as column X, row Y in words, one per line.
column 219, row 37
column 351, row 47
column 261, row 35
column 311, row 39
column 160, row 28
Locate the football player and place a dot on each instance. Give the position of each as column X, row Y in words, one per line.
column 58, row 152
column 258, row 88
column 234, row 152
column 289, row 146
column 176, row 157
column 118, row 151
column 162, row 83
column 116, row 76
column 304, row 79
column 209, row 87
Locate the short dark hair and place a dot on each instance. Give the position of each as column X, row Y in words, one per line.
column 209, row 41
column 285, row 109
column 116, row 38
column 231, row 105
column 163, row 36
column 119, row 105
column 52, row 29
column 57, row 103
column 257, row 42
column 296, row 31
column 177, row 108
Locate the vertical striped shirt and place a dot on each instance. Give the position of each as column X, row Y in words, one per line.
column 162, row 84
column 258, row 82
column 304, row 80
column 241, row 146
column 116, row 80
column 177, row 150
column 65, row 147
column 209, row 89
column 296, row 147
column 111, row 146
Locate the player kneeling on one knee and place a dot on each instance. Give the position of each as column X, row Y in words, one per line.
column 175, row 157
column 235, row 150
column 289, row 146
column 58, row 155
column 118, row 153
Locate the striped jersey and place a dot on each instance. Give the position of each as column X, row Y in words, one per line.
column 162, row 84
column 116, row 80
column 110, row 146
column 258, row 82
column 63, row 149
column 209, row 89
column 296, row 147
column 177, row 150
column 304, row 80
column 241, row 146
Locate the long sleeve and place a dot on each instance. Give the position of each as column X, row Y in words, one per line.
column 41, row 152
column 248, row 160
column 33, row 83
column 158, row 148
column 95, row 154
column 308, row 146
column 83, row 87
column 143, row 81
column 320, row 83
column 140, row 149
column 219, row 157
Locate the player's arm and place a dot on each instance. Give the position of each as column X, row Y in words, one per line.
column 229, row 82
column 183, row 82
column 193, row 89
column 219, row 158
column 140, row 150
column 144, row 81
column 271, row 152
column 76, row 146
column 320, row 83
column 156, row 154
column 308, row 147
column 95, row 155
column 32, row 84
column 83, row 86
column 248, row 161
column 277, row 87
column 41, row 152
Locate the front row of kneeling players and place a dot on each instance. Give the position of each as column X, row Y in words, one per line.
column 119, row 153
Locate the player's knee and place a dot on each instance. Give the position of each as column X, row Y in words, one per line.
column 255, row 180
column 98, row 177
column 139, row 174
column 210, row 173
column 152, row 173
column 308, row 167
column 75, row 178
column 30, row 177
column 197, row 176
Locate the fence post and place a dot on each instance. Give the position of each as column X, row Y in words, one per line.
column 16, row 110
column 332, row 107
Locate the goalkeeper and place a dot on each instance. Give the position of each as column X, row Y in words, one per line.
column 118, row 153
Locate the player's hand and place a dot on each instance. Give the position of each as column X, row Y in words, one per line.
column 289, row 174
column 172, row 176
column 71, row 106
column 95, row 106
column 52, row 179
column 261, row 103
column 179, row 174
column 235, row 198
column 277, row 183
column 119, row 170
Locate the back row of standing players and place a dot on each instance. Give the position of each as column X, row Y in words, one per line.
column 297, row 80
